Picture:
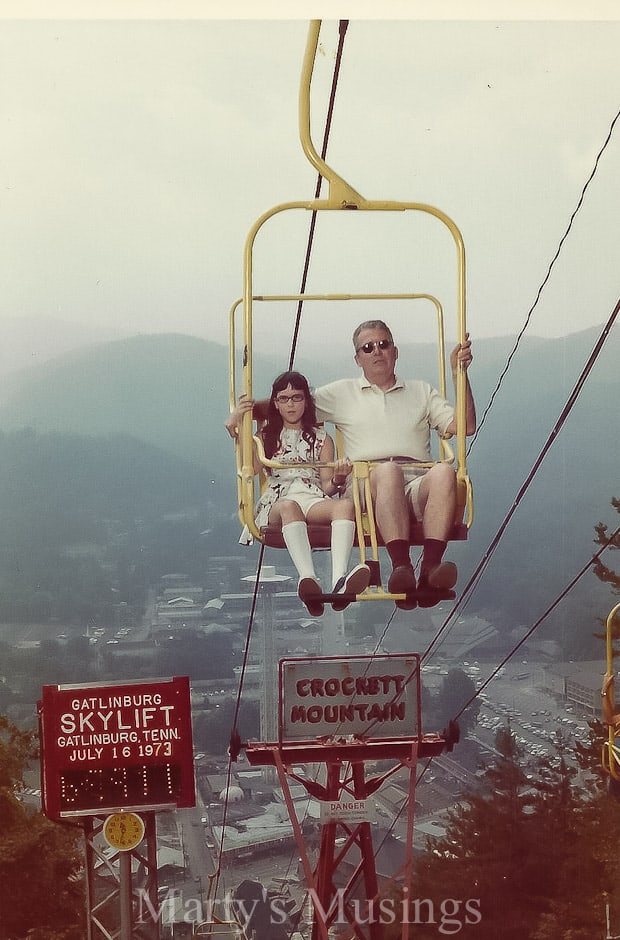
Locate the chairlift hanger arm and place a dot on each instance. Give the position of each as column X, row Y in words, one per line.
column 341, row 194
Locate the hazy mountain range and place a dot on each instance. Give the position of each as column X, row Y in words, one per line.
column 29, row 342
column 170, row 391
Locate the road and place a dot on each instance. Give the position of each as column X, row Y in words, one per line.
column 199, row 863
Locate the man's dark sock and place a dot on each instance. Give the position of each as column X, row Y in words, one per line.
column 433, row 553
column 398, row 550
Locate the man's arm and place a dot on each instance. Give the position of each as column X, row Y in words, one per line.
column 234, row 419
column 461, row 358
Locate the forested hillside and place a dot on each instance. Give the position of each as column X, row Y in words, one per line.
column 82, row 515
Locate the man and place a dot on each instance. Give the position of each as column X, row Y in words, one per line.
column 381, row 417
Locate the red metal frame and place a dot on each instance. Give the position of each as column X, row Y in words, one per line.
column 345, row 774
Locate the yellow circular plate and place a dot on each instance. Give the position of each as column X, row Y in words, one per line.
column 123, row 831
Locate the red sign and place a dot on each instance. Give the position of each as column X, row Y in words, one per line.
column 126, row 746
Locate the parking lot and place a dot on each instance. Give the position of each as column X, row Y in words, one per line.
column 535, row 717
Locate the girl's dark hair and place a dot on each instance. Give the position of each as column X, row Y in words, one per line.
column 274, row 424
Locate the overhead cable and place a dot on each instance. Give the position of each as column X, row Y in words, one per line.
column 469, row 587
column 544, row 282
column 317, row 192
column 235, row 738
column 566, row 590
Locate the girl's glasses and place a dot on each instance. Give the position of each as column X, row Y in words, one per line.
column 284, row 399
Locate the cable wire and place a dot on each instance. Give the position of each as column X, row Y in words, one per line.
column 609, row 543
column 544, row 282
column 234, row 733
column 342, row 30
column 469, row 587
column 235, row 738
column 566, row 590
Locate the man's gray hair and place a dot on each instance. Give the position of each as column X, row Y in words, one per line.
column 371, row 325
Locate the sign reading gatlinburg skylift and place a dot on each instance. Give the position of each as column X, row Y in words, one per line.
column 126, row 746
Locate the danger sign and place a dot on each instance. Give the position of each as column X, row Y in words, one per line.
column 350, row 811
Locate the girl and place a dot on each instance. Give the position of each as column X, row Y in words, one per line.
column 297, row 495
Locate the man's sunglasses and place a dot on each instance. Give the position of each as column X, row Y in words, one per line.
column 378, row 344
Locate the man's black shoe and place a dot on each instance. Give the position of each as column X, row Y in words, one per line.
column 402, row 581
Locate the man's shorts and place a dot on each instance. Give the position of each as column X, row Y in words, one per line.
column 413, row 480
column 412, row 489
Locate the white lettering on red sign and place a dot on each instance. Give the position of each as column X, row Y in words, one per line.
column 117, row 727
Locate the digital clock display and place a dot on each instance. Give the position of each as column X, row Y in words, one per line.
column 142, row 785
column 116, row 747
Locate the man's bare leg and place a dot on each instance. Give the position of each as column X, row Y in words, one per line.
column 392, row 518
column 438, row 498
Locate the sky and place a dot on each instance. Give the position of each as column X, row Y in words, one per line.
column 139, row 149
